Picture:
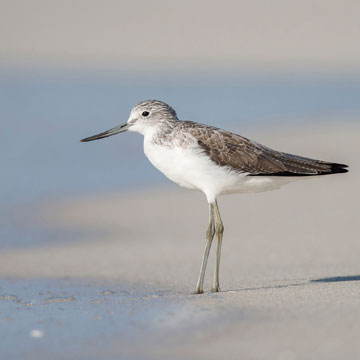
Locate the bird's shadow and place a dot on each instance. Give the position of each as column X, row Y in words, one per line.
column 337, row 279
column 332, row 279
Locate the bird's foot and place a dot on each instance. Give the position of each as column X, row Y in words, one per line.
column 198, row 291
column 215, row 289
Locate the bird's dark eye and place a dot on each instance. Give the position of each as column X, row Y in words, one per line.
column 145, row 113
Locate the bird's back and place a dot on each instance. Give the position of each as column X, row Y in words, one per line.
column 246, row 156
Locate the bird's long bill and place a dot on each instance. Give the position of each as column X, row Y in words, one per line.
column 113, row 131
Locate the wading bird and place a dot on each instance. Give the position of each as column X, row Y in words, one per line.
column 213, row 160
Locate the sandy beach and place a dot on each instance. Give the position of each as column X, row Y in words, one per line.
column 290, row 269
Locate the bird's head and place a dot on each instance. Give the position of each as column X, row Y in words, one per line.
column 145, row 117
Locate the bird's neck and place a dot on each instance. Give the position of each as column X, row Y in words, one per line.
column 160, row 133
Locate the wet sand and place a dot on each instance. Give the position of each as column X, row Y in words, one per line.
column 290, row 272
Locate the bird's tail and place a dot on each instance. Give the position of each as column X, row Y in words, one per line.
column 336, row 168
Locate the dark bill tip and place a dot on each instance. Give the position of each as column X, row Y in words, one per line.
column 113, row 131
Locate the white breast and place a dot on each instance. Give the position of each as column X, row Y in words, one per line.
column 191, row 168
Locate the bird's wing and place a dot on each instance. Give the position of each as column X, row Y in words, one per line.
column 246, row 156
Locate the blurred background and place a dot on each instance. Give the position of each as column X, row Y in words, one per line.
column 70, row 69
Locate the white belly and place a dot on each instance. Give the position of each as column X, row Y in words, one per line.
column 192, row 169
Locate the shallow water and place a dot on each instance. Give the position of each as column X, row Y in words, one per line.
column 43, row 315
column 63, row 318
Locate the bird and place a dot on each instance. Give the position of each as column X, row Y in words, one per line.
column 214, row 161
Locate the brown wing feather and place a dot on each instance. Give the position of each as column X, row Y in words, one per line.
column 245, row 156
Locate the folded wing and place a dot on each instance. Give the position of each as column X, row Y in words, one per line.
column 246, row 156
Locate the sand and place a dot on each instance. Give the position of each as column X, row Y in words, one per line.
column 290, row 268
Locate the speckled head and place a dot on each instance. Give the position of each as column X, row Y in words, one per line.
column 154, row 107
column 145, row 117
column 149, row 115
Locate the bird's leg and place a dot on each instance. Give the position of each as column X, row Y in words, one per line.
column 209, row 238
column 219, row 234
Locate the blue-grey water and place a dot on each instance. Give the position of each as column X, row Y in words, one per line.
column 68, row 319
column 44, row 114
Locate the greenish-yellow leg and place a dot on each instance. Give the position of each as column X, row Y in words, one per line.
column 209, row 238
column 219, row 235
